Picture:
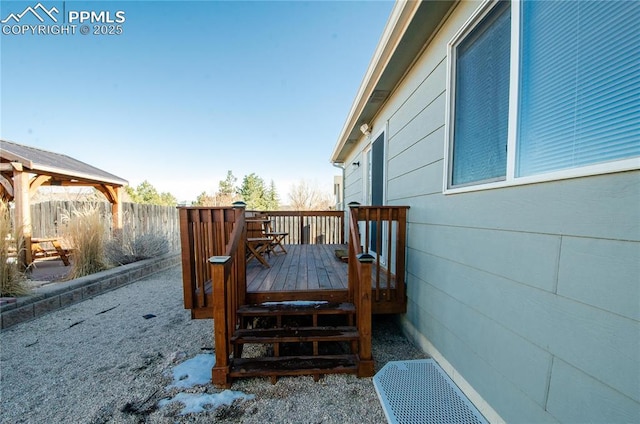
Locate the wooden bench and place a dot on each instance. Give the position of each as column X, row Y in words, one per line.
column 38, row 251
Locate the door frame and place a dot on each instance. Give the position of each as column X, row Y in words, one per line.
column 368, row 160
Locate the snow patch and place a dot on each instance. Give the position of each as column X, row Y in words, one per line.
column 197, row 371
column 296, row 303
column 193, row 372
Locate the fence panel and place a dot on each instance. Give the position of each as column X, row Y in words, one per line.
column 49, row 219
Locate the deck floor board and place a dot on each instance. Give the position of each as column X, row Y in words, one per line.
column 305, row 267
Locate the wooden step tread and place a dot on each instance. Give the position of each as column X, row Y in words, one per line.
column 284, row 308
column 294, row 365
column 299, row 334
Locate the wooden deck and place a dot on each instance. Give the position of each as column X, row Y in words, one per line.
column 314, row 272
column 306, row 272
column 304, row 267
column 219, row 283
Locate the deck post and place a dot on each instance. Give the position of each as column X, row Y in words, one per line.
column 240, row 266
column 363, row 311
column 301, row 227
column 188, row 272
column 353, row 250
column 219, row 276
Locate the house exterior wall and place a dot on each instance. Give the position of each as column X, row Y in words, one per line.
column 353, row 176
column 528, row 295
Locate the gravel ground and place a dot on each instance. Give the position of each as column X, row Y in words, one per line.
column 100, row 361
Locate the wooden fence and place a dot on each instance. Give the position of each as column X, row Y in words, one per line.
column 48, row 219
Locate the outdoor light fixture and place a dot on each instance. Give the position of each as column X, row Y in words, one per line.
column 364, row 128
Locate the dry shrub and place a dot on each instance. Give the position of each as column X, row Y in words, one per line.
column 130, row 245
column 86, row 232
column 126, row 247
column 12, row 279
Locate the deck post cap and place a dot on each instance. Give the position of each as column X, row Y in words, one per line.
column 239, row 204
column 219, row 259
column 365, row 258
column 353, row 204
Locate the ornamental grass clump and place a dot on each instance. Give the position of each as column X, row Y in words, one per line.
column 86, row 232
column 125, row 247
column 13, row 281
column 131, row 245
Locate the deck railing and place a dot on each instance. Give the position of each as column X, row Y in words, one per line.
column 309, row 227
column 204, row 232
column 360, row 293
column 382, row 232
column 377, row 240
column 229, row 291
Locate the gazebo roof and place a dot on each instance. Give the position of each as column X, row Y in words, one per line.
column 23, row 169
column 63, row 169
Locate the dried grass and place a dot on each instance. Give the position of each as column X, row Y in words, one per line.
column 126, row 247
column 12, row 279
column 130, row 245
column 86, row 232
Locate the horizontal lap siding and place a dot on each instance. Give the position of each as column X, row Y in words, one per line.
column 500, row 391
column 532, row 293
column 602, row 273
column 576, row 397
column 495, row 252
column 419, row 146
column 353, row 180
column 415, row 183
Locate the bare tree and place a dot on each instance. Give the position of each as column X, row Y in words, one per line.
column 306, row 196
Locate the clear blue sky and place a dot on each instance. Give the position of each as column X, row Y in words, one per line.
column 192, row 89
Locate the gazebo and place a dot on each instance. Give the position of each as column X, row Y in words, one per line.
column 23, row 169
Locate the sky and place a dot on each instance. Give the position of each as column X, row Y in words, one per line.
column 189, row 89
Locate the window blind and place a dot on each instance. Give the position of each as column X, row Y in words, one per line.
column 481, row 109
column 579, row 84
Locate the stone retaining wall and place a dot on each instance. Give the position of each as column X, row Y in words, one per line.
column 60, row 295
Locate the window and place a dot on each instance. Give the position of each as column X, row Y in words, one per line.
column 482, row 101
column 544, row 90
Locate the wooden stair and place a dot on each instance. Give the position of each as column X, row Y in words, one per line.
column 301, row 339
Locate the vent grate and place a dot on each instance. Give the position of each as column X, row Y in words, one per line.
column 420, row 391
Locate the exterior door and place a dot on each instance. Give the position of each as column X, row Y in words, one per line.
column 376, row 182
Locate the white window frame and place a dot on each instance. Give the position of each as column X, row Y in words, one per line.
column 510, row 179
column 366, row 174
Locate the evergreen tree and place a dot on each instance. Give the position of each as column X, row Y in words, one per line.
column 273, row 202
column 227, row 191
column 252, row 191
column 256, row 195
column 227, row 187
column 147, row 194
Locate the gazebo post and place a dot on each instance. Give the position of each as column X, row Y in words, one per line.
column 116, row 209
column 23, row 211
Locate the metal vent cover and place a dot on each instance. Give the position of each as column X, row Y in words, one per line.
column 378, row 96
column 419, row 391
